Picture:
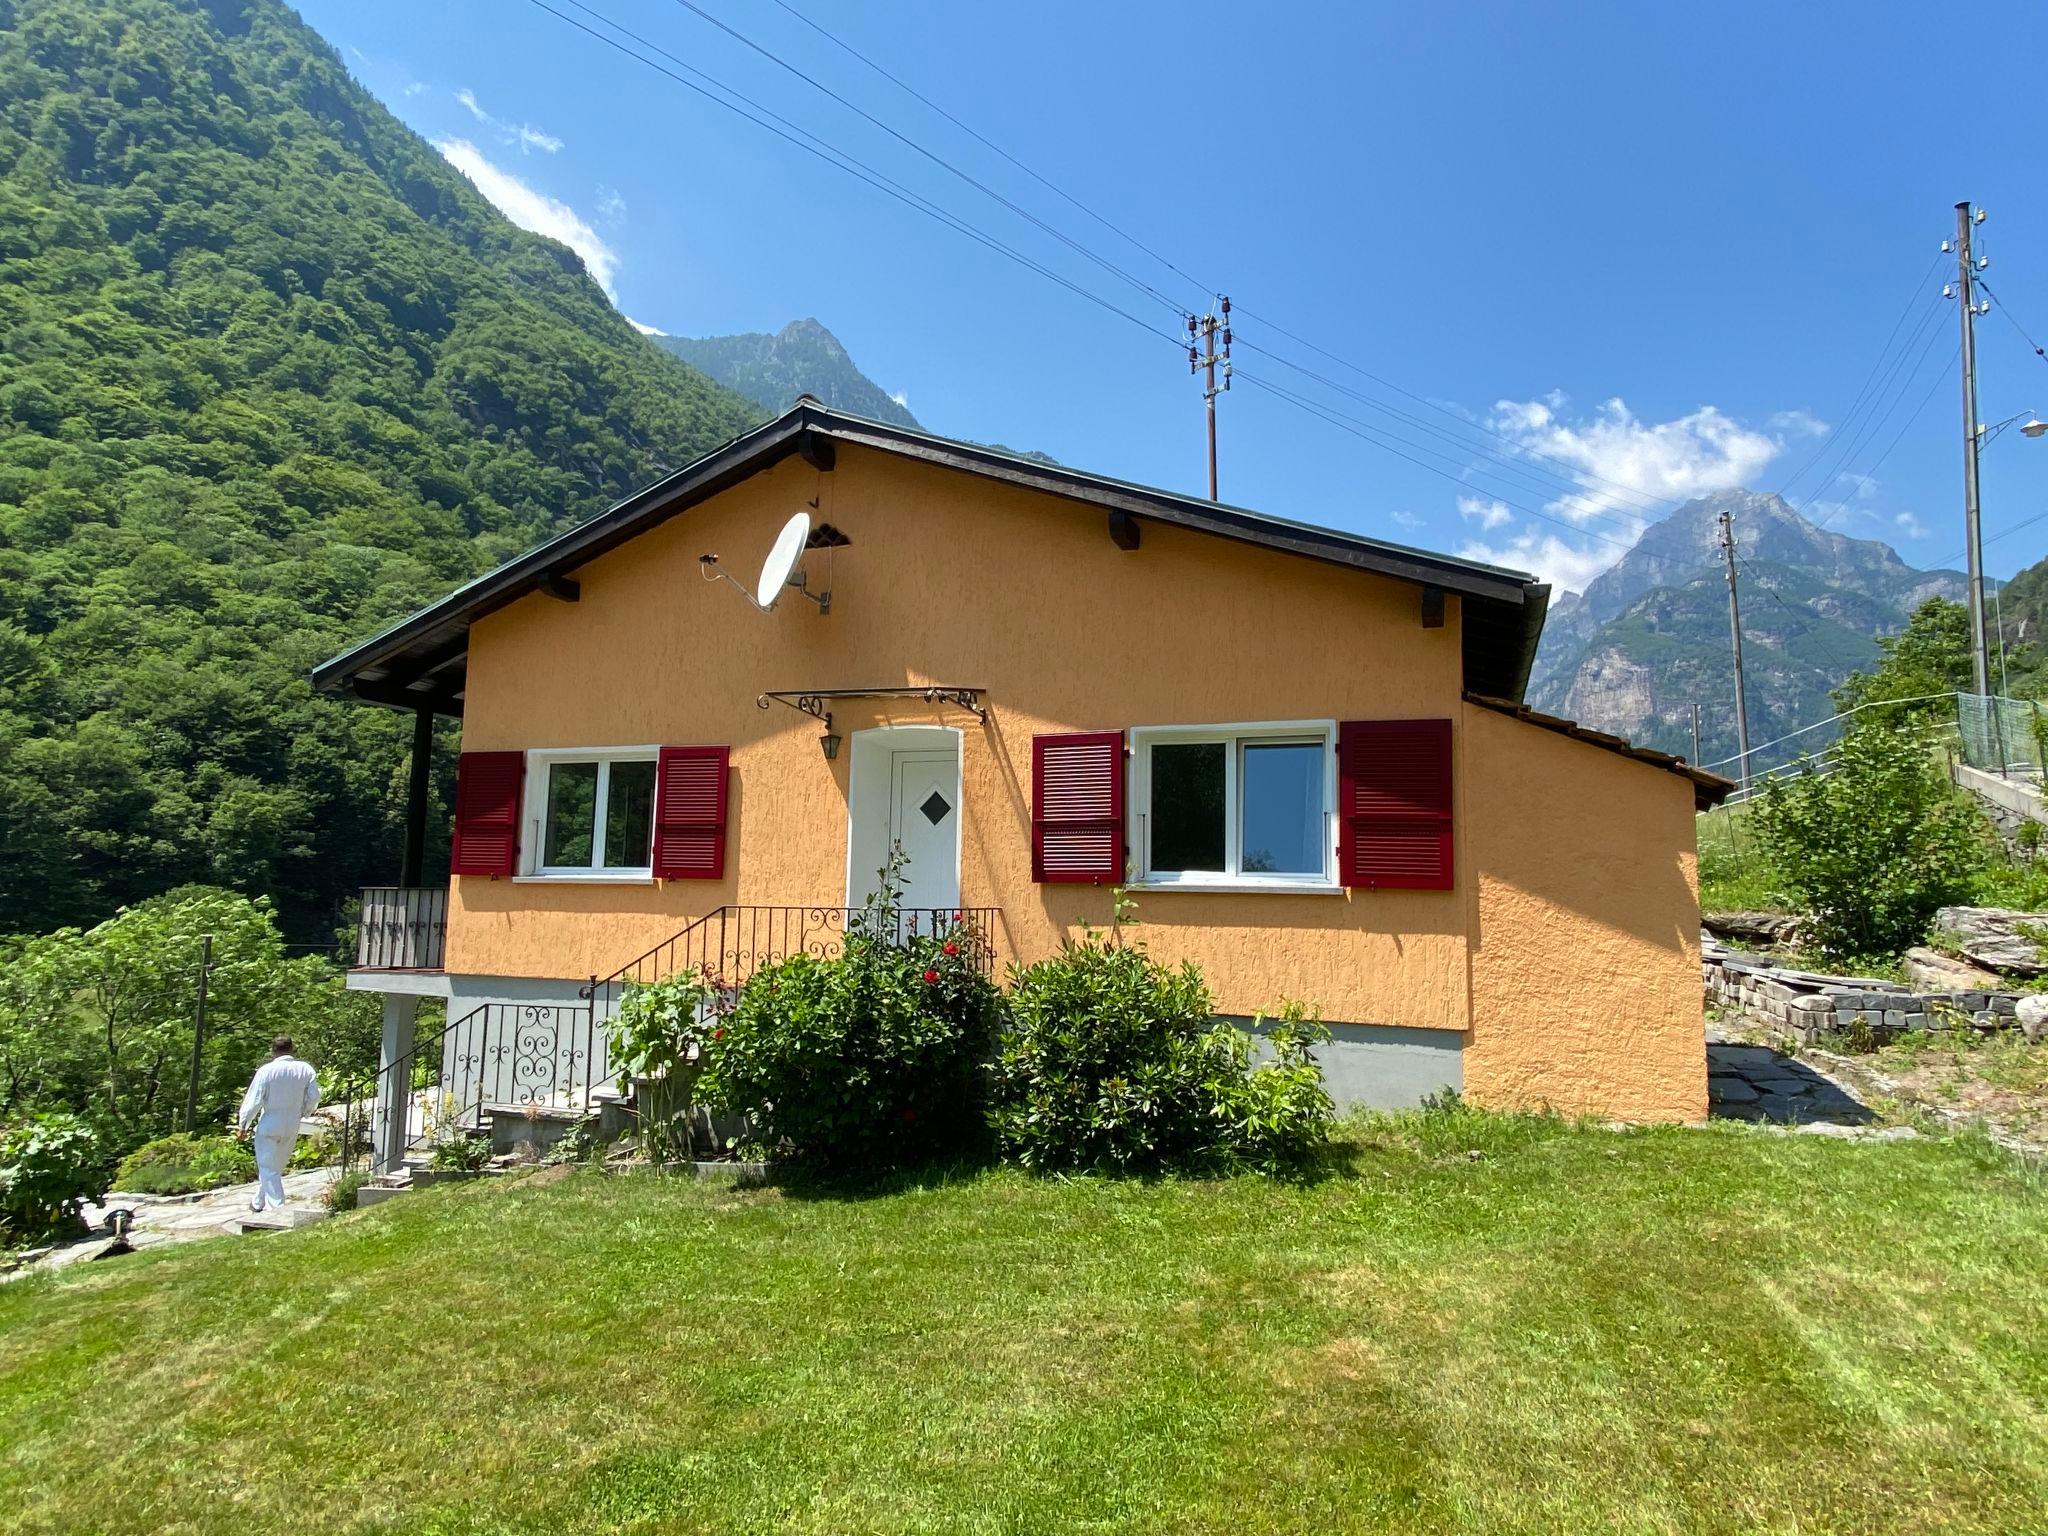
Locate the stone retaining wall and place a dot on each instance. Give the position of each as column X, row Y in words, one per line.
column 1806, row 1005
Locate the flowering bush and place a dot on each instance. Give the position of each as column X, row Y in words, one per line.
column 871, row 1058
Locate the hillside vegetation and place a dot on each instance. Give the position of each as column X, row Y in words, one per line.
column 271, row 375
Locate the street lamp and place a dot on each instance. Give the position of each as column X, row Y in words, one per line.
column 2029, row 424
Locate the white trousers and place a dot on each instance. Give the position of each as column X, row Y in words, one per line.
column 273, row 1154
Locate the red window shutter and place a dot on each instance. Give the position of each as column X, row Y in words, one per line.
column 689, row 813
column 1077, row 808
column 487, row 786
column 1394, row 797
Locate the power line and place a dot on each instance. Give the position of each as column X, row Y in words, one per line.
column 1370, row 433
column 1904, row 427
column 1104, row 262
column 831, row 155
column 2009, row 320
column 1633, row 525
column 1801, row 629
column 989, row 144
column 1898, row 374
column 1864, row 388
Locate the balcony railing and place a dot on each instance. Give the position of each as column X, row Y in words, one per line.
column 403, row 928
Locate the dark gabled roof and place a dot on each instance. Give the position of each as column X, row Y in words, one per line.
column 1708, row 789
column 420, row 661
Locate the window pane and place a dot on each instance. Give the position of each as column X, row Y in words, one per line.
column 572, row 814
column 629, row 816
column 1282, row 815
column 1187, row 806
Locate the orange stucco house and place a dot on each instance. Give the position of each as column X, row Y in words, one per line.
column 1301, row 750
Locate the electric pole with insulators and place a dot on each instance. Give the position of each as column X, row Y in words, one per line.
column 1735, row 640
column 1204, row 358
column 1967, row 267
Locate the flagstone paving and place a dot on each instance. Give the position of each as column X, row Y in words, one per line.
column 1754, row 1082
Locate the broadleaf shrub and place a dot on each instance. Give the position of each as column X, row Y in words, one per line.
column 183, row 1164
column 873, row 1058
column 1872, row 848
column 658, row 1040
column 1114, row 1062
column 49, row 1164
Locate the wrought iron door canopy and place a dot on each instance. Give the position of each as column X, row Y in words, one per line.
column 813, row 701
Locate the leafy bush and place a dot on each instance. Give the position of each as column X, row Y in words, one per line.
column 460, row 1153
column 659, row 1037
column 1872, row 848
column 49, row 1163
column 870, row 1059
column 182, row 1164
column 341, row 1194
column 1114, row 1062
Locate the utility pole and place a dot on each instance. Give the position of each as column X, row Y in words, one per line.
column 1204, row 359
column 1735, row 638
column 1695, row 735
column 1980, row 659
column 198, row 1033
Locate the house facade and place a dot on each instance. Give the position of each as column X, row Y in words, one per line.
column 1301, row 752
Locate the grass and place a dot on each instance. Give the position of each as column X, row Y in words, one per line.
column 1998, row 1077
column 1734, row 874
column 1481, row 1324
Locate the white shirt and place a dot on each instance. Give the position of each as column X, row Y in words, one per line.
column 281, row 1094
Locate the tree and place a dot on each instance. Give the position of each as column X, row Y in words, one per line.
column 1931, row 655
column 100, row 1021
column 1874, row 846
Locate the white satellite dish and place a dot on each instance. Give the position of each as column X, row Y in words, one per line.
column 782, row 559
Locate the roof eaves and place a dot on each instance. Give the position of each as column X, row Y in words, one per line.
column 1709, row 789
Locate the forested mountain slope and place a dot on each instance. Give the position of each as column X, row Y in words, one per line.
column 271, row 375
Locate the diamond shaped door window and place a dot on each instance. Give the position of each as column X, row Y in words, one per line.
column 935, row 807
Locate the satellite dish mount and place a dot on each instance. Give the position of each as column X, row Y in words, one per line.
column 779, row 572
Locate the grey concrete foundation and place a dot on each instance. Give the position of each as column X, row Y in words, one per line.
column 1385, row 1066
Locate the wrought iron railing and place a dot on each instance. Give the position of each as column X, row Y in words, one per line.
column 557, row 1055
column 728, row 945
column 402, row 928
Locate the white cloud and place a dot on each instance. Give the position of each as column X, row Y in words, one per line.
column 1488, row 514
column 1910, row 526
column 1620, row 463
column 1405, row 520
column 611, row 207
column 413, row 88
column 902, row 398
column 525, row 135
column 535, row 210
column 1798, row 423
column 644, row 329
column 1567, row 567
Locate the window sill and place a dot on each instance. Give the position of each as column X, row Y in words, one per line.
column 591, row 877
column 1237, row 887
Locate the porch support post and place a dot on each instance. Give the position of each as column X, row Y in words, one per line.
column 413, row 867
column 393, row 1110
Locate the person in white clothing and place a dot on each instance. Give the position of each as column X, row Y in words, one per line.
column 281, row 1094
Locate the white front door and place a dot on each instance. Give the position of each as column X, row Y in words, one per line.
column 924, row 821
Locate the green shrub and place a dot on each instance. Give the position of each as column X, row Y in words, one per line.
column 182, row 1164
column 873, row 1058
column 1872, row 848
column 461, row 1152
column 1114, row 1062
column 341, row 1194
column 49, row 1164
column 658, row 1038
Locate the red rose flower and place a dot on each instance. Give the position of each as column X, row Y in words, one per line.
column 931, row 978
column 952, row 948
column 718, row 1034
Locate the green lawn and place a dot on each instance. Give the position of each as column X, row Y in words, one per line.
column 1482, row 1325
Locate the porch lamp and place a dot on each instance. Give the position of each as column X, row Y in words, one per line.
column 829, row 741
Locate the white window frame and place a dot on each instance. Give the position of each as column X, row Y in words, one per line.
column 540, row 763
column 1235, row 736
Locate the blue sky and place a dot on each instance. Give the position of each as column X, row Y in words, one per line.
column 1606, row 256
